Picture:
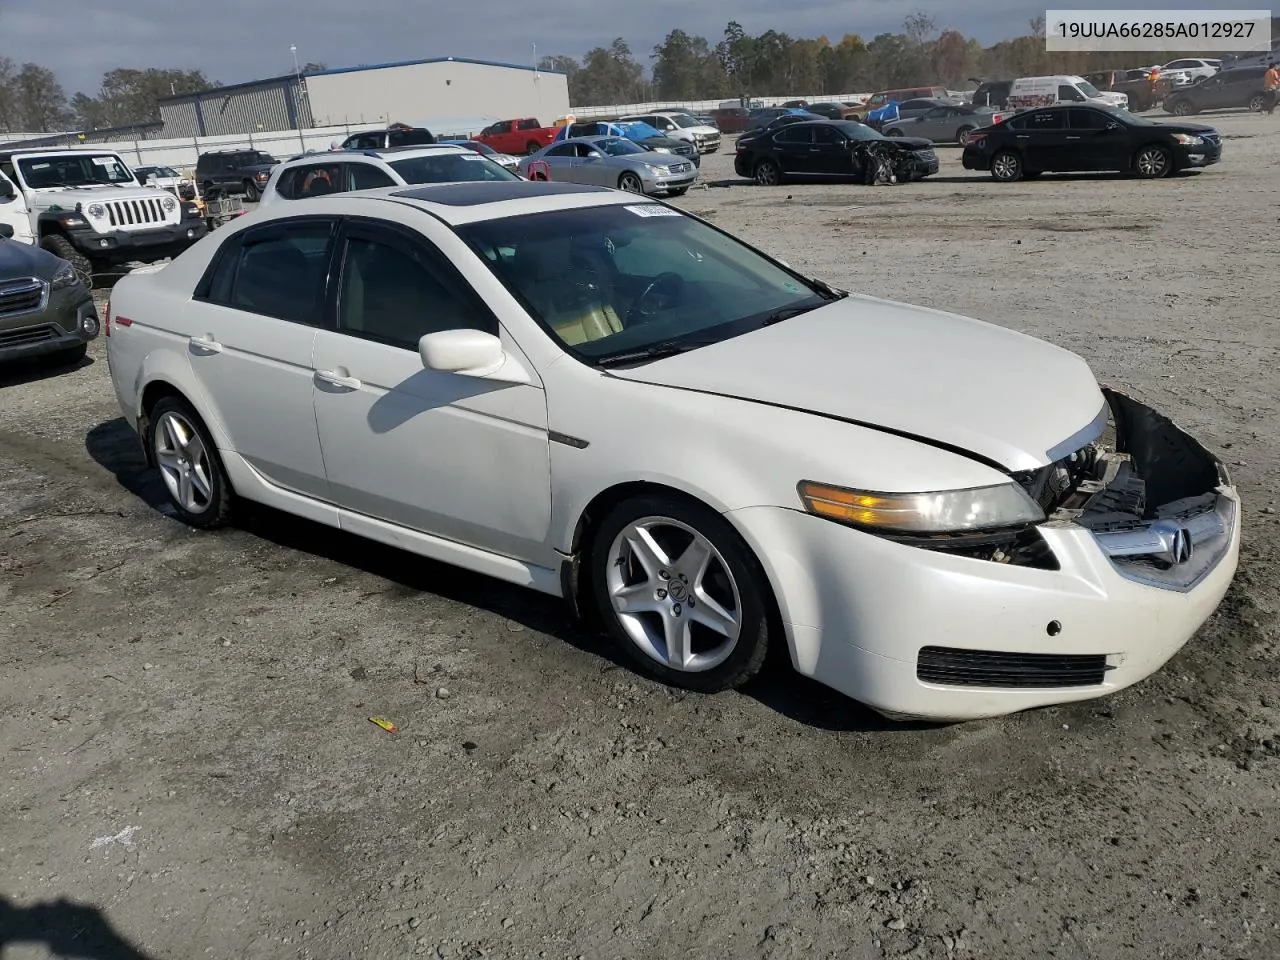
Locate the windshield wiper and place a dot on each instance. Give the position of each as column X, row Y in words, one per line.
column 664, row 348
column 786, row 313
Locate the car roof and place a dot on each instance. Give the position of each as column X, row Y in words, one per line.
column 49, row 151
column 388, row 153
column 461, row 203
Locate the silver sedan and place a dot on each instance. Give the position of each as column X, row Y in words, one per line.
column 945, row 123
column 612, row 162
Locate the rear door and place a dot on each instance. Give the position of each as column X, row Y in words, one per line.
column 252, row 326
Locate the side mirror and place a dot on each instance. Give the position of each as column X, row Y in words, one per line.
column 6, row 231
column 469, row 353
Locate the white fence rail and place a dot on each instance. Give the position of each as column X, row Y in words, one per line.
column 702, row 106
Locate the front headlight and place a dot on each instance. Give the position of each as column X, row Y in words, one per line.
column 661, row 149
column 170, row 203
column 1188, row 139
column 945, row 511
column 65, row 277
column 97, row 211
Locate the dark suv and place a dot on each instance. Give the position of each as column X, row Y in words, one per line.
column 400, row 136
column 1241, row 87
column 234, row 171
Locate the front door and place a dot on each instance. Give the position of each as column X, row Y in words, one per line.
column 251, row 327
column 458, row 457
column 13, row 209
column 829, row 152
column 1095, row 141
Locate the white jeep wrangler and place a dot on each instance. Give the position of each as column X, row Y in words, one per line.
column 87, row 207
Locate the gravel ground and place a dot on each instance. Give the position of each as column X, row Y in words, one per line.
column 187, row 767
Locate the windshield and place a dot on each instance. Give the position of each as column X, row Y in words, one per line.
column 618, row 147
column 484, row 148
column 1088, row 89
column 857, row 131
column 73, row 170
column 683, row 120
column 611, row 280
column 450, row 168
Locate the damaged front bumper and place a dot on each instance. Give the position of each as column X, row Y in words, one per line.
column 1160, row 506
column 1140, row 543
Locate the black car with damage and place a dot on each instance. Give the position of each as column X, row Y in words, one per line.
column 834, row 148
column 1079, row 138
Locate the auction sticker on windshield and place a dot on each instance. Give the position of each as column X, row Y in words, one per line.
column 654, row 210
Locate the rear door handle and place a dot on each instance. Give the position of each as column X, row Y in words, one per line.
column 206, row 343
column 1073, row 138
column 338, row 378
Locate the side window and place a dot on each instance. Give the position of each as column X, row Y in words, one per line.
column 365, row 176
column 396, row 292
column 563, row 150
column 1068, row 92
column 287, row 185
column 1043, row 120
column 276, row 271
column 1081, row 119
column 317, row 179
column 827, row 136
column 529, row 124
column 794, row 133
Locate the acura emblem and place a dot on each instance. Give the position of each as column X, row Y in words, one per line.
column 1175, row 541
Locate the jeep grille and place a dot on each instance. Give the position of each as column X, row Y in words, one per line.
column 129, row 213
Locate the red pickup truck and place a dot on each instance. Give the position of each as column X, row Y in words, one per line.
column 515, row 137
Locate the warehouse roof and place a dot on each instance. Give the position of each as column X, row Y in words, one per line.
column 411, row 63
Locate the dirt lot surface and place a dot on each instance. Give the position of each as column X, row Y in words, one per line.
column 187, row 767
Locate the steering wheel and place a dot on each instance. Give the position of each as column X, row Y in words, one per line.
column 668, row 279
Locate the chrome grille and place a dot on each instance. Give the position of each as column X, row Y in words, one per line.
column 681, row 167
column 133, row 213
column 20, row 296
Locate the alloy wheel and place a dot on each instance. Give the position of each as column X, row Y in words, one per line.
column 674, row 595
column 184, row 462
column 630, row 183
column 767, row 174
column 1005, row 167
column 1153, row 162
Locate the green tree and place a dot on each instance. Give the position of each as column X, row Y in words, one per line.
column 609, row 75
column 736, row 52
column 41, row 101
column 9, row 112
column 686, row 68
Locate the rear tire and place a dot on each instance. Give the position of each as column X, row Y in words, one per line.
column 251, row 191
column 1181, row 108
column 182, row 450
column 1257, row 103
column 60, row 246
column 1006, row 166
column 531, row 147
column 893, row 132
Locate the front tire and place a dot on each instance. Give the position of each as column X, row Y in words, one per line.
column 1257, row 103
column 183, row 451
column 680, row 592
column 60, row 246
column 630, row 183
column 1153, row 162
column 678, row 192
column 893, row 132
column 1006, row 166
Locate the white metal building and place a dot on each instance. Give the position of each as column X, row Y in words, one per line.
column 443, row 92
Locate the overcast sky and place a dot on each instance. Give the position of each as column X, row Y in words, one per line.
column 250, row 39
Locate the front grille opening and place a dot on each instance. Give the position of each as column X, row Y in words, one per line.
column 20, row 296
column 19, row 338
column 954, row 667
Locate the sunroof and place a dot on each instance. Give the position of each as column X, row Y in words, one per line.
column 473, row 194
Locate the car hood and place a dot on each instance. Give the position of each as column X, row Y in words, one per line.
column 1178, row 126
column 911, row 143
column 993, row 393
column 19, row 260
column 66, row 198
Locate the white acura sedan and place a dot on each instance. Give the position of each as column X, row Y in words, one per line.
column 600, row 397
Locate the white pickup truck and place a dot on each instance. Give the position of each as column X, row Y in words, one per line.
column 87, row 207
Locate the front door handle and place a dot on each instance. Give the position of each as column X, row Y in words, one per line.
column 1073, row 138
column 338, row 378
column 206, row 344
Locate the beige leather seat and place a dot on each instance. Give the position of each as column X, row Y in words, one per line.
column 543, row 273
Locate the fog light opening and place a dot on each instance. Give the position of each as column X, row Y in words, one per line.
column 1054, row 628
column 90, row 326
column 104, row 243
